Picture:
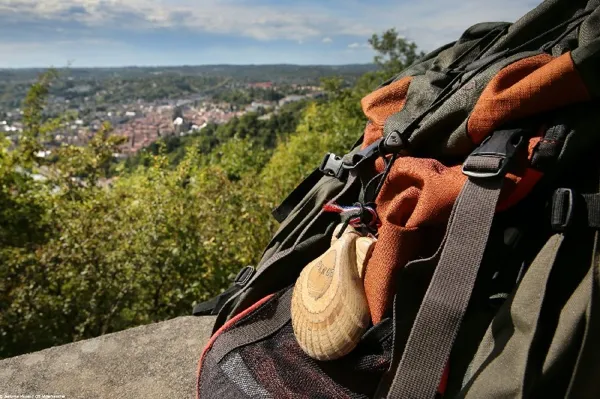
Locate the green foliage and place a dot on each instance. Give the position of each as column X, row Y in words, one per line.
column 331, row 126
column 395, row 53
column 88, row 248
column 239, row 157
column 241, row 97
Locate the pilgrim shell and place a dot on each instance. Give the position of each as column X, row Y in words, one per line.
column 329, row 307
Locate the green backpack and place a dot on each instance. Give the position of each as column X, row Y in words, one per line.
column 479, row 176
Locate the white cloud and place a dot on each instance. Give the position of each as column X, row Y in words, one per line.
column 358, row 45
column 327, row 40
column 243, row 18
column 429, row 23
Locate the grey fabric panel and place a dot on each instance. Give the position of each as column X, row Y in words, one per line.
column 422, row 65
column 447, row 57
column 590, row 28
column 548, row 14
column 479, row 30
column 456, row 145
column 565, row 45
column 587, row 62
column 310, row 206
column 542, row 333
column 569, row 322
column 592, row 4
column 584, row 383
column 440, row 315
column 420, row 95
column 275, row 313
column 492, row 374
column 444, row 133
column 235, row 369
column 584, row 136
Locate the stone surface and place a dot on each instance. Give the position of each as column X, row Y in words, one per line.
column 154, row 361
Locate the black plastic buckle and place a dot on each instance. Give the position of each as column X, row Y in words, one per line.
column 500, row 148
column 332, row 165
column 366, row 155
column 244, row 276
column 563, row 209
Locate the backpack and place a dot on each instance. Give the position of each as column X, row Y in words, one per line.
column 477, row 178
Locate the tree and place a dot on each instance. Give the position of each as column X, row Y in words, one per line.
column 81, row 256
column 394, row 52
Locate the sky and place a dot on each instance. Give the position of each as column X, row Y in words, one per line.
column 86, row 33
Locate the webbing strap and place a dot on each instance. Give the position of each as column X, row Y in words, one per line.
column 440, row 315
column 214, row 305
column 592, row 202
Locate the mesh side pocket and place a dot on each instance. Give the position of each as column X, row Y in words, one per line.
column 247, row 362
column 280, row 365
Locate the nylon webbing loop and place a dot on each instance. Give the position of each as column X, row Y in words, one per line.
column 592, row 202
column 570, row 208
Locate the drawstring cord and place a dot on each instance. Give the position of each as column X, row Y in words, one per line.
column 358, row 216
column 362, row 215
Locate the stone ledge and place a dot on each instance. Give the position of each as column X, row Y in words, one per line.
column 153, row 361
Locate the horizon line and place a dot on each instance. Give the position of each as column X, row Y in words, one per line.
column 183, row 66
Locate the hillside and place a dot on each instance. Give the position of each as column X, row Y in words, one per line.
column 169, row 81
column 140, row 103
column 89, row 246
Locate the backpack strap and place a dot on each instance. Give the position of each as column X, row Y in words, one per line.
column 214, row 305
column 439, row 318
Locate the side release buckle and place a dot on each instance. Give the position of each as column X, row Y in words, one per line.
column 332, row 165
column 493, row 157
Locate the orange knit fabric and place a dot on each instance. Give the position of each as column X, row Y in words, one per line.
column 414, row 206
column 386, row 101
column 415, row 201
column 527, row 87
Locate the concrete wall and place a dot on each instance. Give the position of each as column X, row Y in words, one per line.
column 153, row 361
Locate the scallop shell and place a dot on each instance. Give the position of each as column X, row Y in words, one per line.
column 329, row 306
column 364, row 250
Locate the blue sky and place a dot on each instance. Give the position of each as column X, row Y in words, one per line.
column 42, row 33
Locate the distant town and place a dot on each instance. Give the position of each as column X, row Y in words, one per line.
column 145, row 122
column 146, row 104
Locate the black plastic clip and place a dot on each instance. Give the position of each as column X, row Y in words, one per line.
column 396, row 142
column 244, row 276
column 333, row 165
column 493, row 157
